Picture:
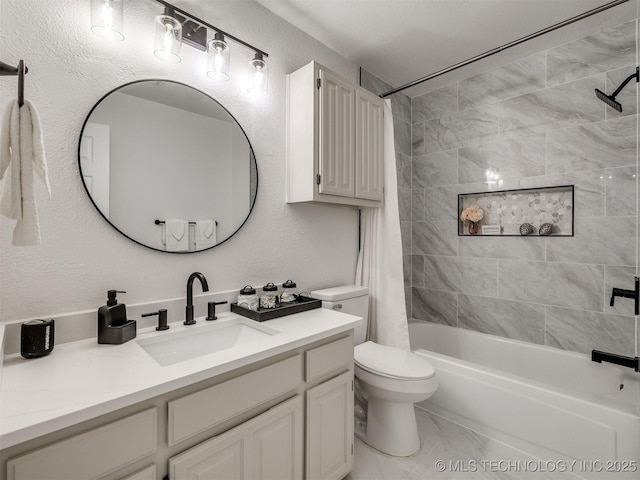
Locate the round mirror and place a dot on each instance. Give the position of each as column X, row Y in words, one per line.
column 168, row 166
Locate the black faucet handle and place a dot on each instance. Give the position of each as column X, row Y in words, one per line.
column 162, row 318
column 211, row 310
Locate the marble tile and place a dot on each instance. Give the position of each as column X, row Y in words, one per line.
column 518, row 158
column 604, row 144
column 589, row 190
column 435, row 238
column 441, row 439
column 619, row 277
column 407, row 301
column 621, row 190
column 435, row 169
column 475, row 276
column 566, row 105
column 404, row 204
column 582, row 331
column 372, row 83
column 400, row 106
column 505, row 318
column 441, row 203
column 471, row 127
column 403, row 170
column 417, row 205
column 407, row 269
column 561, row 284
column 417, row 270
column 434, row 306
column 405, row 234
column 515, row 248
column 417, row 139
column 628, row 97
column 438, row 103
column 602, row 51
column 600, row 240
column 402, row 136
column 522, row 76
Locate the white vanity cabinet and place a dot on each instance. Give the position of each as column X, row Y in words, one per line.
column 268, row 446
column 265, row 420
column 334, row 140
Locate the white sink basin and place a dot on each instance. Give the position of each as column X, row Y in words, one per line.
column 193, row 342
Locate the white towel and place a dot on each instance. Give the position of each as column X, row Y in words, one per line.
column 176, row 235
column 205, row 234
column 22, row 152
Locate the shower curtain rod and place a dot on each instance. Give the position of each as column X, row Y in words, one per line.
column 488, row 53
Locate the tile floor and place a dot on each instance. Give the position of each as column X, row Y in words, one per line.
column 443, row 440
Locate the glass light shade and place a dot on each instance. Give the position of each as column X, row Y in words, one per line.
column 218, row 59
column 107, row 19
column 258, row 75
column 168, row 39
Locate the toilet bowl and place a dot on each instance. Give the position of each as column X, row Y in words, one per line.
column 389, row 381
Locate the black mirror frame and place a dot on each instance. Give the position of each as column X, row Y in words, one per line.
column 253, row 156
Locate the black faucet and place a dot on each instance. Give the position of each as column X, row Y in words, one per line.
column 630, row 362
column 635, row 294
column 205, row 288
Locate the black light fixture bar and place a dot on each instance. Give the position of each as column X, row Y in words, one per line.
column 200, row 22
column 499, row 49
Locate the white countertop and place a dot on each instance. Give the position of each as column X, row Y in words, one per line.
column 82, row 380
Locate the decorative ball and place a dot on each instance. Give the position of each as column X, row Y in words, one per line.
column 526, row 229
column 545, row 229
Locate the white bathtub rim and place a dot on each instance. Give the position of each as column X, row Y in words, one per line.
column 601, row 400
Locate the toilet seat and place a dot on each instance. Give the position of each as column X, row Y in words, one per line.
column 392, row 362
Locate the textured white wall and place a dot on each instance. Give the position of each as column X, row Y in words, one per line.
column 82, row 256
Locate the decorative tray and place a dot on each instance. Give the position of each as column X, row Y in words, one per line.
column 301, row 304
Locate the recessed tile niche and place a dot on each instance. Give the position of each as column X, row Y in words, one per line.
column 505, row 211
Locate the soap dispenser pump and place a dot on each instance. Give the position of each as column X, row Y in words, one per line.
column 113, row 326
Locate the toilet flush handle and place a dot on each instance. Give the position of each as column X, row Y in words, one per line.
column 337, row 307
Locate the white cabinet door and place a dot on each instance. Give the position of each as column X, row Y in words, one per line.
column 337, row 136
column 330, row 428
column 369, row 145
column 276, row 444
column 267, row 447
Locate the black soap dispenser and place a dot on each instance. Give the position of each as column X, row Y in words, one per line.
column 113, row 326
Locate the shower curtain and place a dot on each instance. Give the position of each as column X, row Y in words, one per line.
column 379, row 264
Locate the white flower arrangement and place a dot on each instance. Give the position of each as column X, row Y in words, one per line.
column 472, row 213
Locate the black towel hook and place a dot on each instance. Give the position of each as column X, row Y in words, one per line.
column 21, row 70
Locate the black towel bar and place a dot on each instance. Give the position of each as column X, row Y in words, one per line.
column 21, row 70
column 161, row 222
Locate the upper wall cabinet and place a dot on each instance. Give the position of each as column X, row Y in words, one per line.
column 334, row 140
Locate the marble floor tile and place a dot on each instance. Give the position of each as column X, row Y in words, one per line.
column 443, row 440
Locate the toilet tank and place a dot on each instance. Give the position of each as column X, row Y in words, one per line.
column 351, row 299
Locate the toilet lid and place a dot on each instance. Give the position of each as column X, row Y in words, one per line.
column 392, row 362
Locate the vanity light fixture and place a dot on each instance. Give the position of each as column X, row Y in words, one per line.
column 107, row 19
column 218, row 58
column 258, row 78
column 168, row 37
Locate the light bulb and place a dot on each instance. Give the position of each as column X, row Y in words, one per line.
column 258, row 79
column 107, row 19
column 168, row 38
column 218, row 59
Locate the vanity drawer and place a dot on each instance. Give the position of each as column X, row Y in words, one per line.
column 92, row 454
column 333, row 357
column 199, row 411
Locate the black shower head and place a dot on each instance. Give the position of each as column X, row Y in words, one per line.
column 609, row 100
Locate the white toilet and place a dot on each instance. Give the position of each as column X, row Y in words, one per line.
column 388, row 380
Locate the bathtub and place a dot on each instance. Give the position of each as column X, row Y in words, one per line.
column 556, row 405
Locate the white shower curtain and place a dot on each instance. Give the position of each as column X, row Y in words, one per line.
column 380, row 259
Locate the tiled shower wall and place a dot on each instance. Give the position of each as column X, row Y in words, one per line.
column 538, row 123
